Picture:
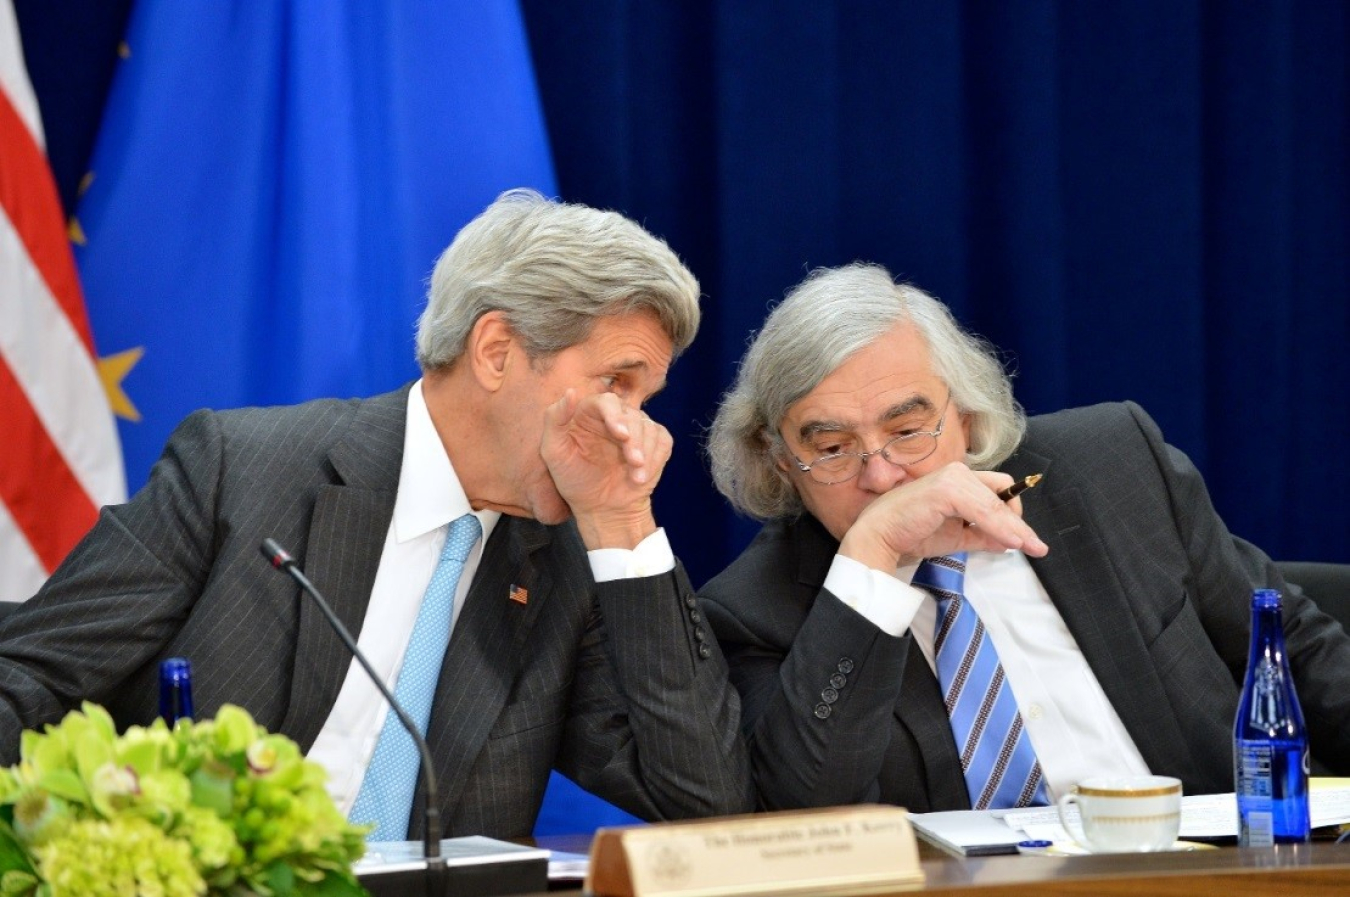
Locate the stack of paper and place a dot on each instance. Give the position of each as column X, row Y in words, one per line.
column 1204, row 817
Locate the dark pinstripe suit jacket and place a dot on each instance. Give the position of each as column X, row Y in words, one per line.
column 612, row 683
column 1154, row 588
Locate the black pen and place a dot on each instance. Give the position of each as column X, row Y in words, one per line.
column 1019, row 487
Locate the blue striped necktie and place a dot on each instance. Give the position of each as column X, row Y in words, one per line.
column 386, row 793
column 999, row 762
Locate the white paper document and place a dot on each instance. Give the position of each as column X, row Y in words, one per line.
column 469, row 850
column 970, row 833
column 564, row 866
column 1203, row 816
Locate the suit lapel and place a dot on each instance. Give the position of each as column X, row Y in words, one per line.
column 342, row 554
column 484, row 657
column 1085, row 588
column 922, row 713
column 815, row 550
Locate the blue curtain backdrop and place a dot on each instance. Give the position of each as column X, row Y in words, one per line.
column 1145, row 200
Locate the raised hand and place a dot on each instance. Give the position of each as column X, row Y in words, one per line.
column 951, row 509
column 605, row 459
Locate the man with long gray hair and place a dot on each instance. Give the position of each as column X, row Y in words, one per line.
column 487, row 530
column 913, row 626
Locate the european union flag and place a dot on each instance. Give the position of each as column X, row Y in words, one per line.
column 273, row 182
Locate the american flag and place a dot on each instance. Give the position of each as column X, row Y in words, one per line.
column 60, row 459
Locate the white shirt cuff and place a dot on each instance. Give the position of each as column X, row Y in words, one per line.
column 651, row 557
column 883, row 599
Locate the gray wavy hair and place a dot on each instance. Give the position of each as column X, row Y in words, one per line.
column 821, row 322
column 552, row 269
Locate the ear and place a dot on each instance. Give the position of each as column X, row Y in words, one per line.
column 779, row 454
column 490, row 350
column 966, row 420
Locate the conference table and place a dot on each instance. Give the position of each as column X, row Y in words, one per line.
column 1322, row 867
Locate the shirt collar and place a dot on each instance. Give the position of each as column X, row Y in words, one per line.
column 430, row 494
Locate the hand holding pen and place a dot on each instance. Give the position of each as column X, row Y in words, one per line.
column 1008, row 493
column 928, row 516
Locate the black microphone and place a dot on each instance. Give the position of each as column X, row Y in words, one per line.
column 431, row 840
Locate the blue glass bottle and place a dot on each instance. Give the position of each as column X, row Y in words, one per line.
column 1270, row 742
column 175, row 689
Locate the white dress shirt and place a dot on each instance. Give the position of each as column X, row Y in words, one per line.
column 1073, row 727
column 429, row 498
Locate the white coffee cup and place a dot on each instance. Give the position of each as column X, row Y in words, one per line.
column 1125, row 814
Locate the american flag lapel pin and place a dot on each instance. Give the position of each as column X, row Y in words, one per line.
column 519, row 594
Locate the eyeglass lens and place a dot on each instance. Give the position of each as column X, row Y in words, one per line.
column 902, row 450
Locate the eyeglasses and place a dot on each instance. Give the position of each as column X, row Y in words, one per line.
column 902, row 451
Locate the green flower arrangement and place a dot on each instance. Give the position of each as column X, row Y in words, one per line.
column 216, row 807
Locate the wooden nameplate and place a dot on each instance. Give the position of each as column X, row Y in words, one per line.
column 834, row 851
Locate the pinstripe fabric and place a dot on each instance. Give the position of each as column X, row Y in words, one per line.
column 176, row 571
column 1149, row 582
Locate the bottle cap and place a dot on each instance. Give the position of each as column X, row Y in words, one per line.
column 1265, row 598
column 176, row 669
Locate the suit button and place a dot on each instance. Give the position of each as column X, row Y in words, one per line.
column 696, row 616
column 822, row 711
column 700, row 634
column 704, row 651
column 690, row 602
column 829, row 695
column 845, row 665
column 838, row 680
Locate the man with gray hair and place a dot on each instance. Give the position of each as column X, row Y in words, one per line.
column 487, row 530
column 906, row 629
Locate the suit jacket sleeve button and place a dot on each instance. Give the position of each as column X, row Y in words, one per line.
column 829, row 696
column 822, row 711
column 700, row 634
column 690, row 602
column 704, row 651
column 845, row 665
column 695, row 616
column 838, row 680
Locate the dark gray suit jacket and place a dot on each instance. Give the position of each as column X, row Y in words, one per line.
column 1154, row 588
column 615, row 685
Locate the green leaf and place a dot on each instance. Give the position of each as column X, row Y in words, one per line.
column 142, row 756
column 281, row 879
column 15, row 883
column 213, row 788
column 100, row 720
column 235, row 729
column 64, row 783
column 332, row 886
column 13, row 856
column 91, row 752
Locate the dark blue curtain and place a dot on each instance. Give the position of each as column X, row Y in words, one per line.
column 1143, row 200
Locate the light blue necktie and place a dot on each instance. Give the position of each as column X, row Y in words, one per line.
column 387, row 791
column 999, row 762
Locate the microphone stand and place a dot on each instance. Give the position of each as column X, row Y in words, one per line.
column 279, row 558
